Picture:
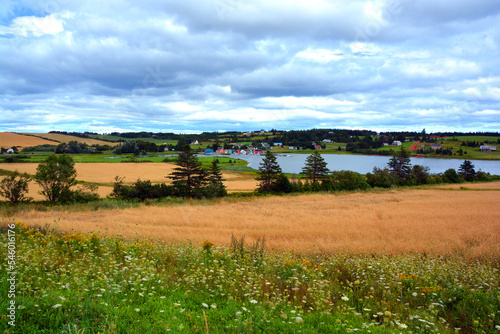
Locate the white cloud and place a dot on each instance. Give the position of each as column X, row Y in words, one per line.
column 38, row 26
column 320, row 55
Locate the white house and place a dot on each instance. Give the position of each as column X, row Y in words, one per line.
column 487, row 148
column 396, row 143
column 327, row 140
column 194, row 142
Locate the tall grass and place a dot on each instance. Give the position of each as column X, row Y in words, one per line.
column 86, row 283
column 393, row 222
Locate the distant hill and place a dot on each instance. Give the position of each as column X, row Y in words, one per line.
column 10, row 139
column 63, row 138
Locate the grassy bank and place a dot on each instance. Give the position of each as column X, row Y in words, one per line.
column 85, row 283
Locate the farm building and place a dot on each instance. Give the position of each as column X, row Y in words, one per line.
column 327, row 140
column 317, row 147
column 194, row 142
column 436, row 146
column 209, row 151
column 396, row 143
column 9, row 151
column 487, row 148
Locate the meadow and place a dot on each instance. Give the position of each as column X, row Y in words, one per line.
column 89, row 283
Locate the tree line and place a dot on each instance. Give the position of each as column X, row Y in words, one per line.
column 398, row 172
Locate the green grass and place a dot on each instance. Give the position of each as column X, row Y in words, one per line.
column 111, row 138
column 88, row 284
column 480, row 139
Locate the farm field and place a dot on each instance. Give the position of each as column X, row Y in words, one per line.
column 66, row 138
column 10, row 139
column 111, row 138
column 432, row 221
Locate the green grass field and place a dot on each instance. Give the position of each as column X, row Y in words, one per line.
column 91, row 284
column 111, row 138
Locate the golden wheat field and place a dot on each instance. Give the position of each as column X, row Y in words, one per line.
column 65, row 139
column 434, row 221
column 9, row 139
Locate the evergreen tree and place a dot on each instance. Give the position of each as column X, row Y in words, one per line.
column 400, row 164
column 315, row 167
column 189, row 177
column 466, row 170
column 268, row 172
column 216, row 187
column 181, row 143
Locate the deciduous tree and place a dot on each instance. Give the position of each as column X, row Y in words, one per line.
column 56, row 175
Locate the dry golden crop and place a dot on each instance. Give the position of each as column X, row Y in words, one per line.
column 65, row 139
column 393, row 222
column 9, row 139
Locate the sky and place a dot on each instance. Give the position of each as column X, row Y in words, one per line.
column 241, row 65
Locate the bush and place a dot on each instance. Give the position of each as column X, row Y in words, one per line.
column 420, row 174
column 451, row 176
column 483, row 176
column 381, row 178
column 87, row 194
column 282, row 184
column 14, row 187
column 141, row 190
column 347, row 180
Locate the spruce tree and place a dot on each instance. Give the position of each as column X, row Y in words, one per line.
column 400, row 164
column 466, row 170
column 216, row 187
column 269, row 171
column 189, row 176
column 315, row 168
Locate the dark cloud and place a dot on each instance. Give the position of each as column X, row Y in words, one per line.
column 232, row 64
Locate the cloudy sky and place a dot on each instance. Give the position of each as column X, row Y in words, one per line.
column 191, row 66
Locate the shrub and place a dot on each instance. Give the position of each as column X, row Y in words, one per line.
column 451, row 176
column 420, row 174
column 141, row 190
column 14, row 187
column 87, row 194
column 347, row 180
column 381, row 178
